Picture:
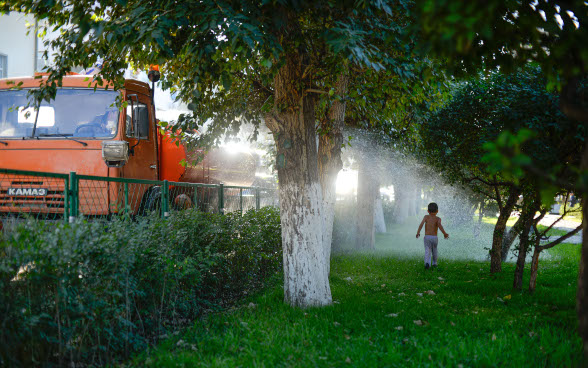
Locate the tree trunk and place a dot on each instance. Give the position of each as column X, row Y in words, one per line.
column 568, row 103
column 379, row 222
column 412, row 201
column 496, row 252
column 527, row 215
column 306, row 280
column 400, row 203
column 329, row 164
column 419, row 201
column 582, row 295
column 534, row 268
column 478, row 226
column 510, row 237
column 367, row 190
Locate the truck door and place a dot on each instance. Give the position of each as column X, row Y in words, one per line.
column 142, row 162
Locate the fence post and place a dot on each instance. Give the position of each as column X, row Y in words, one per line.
column 165, row 200
column 126, row 198
column 74, row 196
column 257, row 199
column 66, row 201
column 241, row 199
column 221, row 198
column 195, row 204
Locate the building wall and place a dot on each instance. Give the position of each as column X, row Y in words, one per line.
column 16, row 45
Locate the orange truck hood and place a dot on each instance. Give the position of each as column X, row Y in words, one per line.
column 53, row 155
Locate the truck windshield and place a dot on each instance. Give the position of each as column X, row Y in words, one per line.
column 74, row 113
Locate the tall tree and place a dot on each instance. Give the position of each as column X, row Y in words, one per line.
column 283, row 61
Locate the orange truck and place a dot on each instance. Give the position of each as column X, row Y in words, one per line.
column 83, row 131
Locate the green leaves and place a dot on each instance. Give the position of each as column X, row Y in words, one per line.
column 505, row 129
column 227, row 81
column 505, row 156
column 92, row 293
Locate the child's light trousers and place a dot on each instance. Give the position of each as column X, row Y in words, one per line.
column 431, row 248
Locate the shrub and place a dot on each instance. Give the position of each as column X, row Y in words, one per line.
column 92, row 293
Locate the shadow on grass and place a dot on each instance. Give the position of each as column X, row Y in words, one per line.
column 389, row 311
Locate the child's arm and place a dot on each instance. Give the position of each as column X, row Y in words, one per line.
column 443, row 230
column 421, row 226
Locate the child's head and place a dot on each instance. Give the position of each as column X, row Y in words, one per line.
column 433, row 208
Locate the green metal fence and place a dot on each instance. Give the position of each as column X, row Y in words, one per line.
column 52, row 196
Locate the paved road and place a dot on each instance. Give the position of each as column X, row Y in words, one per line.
column 564, row 224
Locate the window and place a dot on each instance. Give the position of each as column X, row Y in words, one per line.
column 3, row 66
column 46, row 116
column 141, row 115
column 73, row 113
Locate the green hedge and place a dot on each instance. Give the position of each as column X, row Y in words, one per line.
column 92, row 293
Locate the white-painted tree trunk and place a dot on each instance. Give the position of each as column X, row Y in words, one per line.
column 401, row 204
column 368, row 188
column 411, row 200
column 306, row 280
column 379, row 223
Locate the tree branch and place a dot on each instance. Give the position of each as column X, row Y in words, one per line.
column 312, row 90
column 489, row 183
column 561, row 239
column 257, row 84
column 498, row 198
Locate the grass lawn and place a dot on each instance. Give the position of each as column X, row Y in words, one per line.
column 383, row 316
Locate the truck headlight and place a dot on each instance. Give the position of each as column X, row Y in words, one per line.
column 115, row 153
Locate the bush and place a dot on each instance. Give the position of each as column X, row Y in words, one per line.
column 92, row 293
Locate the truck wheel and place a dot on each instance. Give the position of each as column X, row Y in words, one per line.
column 182, row 202
column 151, row 201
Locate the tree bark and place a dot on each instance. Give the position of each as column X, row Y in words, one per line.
column 509, row 238
column 306, row 280
column 534, row 268
column 582, row 295
column 329, row 164
column 505, row 211
column 527, row 216
column 368, row 188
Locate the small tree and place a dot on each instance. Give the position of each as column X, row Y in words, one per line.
column 478, row 114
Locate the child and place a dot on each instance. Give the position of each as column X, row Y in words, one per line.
column 432, row 223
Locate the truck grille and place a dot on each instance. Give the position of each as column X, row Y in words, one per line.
column 27, row 202
column 53, row 199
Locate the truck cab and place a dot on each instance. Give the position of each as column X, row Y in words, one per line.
column 68, row 133
column 83, row 131
column 76, row 132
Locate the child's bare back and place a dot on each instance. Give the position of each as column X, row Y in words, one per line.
column 432, row 223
